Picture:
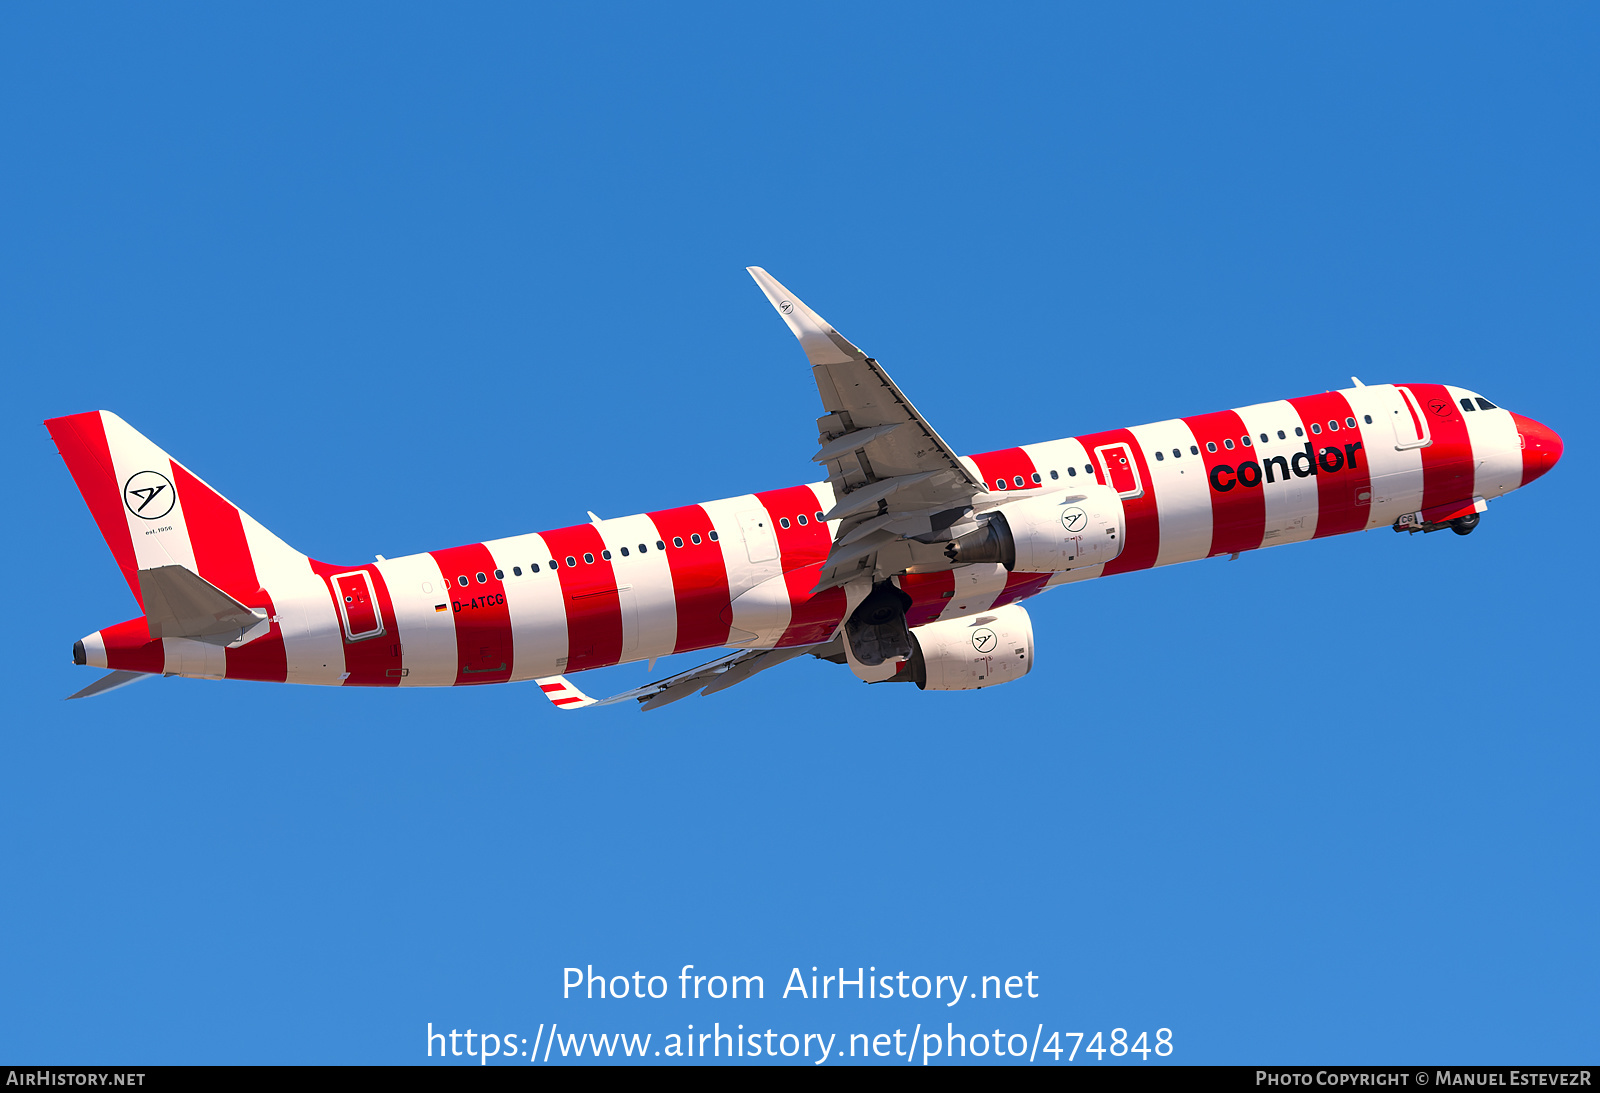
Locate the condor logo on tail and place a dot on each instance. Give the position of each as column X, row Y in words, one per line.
column 149, row 495
column 1249, row 474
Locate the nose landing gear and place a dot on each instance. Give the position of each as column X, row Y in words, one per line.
column 1461, row 525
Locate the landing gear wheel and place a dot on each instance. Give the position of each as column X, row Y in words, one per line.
column 1464, row 525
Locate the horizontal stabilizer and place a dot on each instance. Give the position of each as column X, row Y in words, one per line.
column 708, row 679
column 110, row 682
column 179, row 603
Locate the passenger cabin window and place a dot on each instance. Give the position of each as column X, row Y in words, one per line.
column 1088, row 468
column 643, row 549
column 819, row 517
column 1036, row 478
column 783, row 521
column 1367, row 418
column 624, row 552
column 1016, row 480
column 801, row 518
column 1350, row 422
column 1194, row 449
column 1485, row 404
column 462, row 581
column 677, row 540
column 1264, row 438
column 1177, row 453
column 1281, row 436
column 482, row 578
column 1159, row 456
column 1315, row 428
column 572, row 563
column 516, row 571
column 534, row 568
column 588, row 559
column 1211, row 445
column 1054, row 477
column 606, row 554
column 714, row 534
column 660, row 545
column 1299, row 431
column 1072, row 471
column 1228, row 444
column 999, row 483
column 499, row 574
column 695, row 539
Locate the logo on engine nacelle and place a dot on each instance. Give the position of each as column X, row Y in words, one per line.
column 984, row 640
column 149, row 495
column 1074, row 520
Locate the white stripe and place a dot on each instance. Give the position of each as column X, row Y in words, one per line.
column 427, row 636
column 536, row 607
column 1183, row 499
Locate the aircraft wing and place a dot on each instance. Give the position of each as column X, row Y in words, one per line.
column 718, row 675
column 889, row 467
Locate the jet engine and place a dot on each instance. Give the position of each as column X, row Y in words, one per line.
column 1047, row 534
column 965, row 654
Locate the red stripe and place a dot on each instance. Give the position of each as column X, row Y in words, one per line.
column 551, row 687
column 129, row 647
column 1238, row 510
column 798, row 544
column 375, row 661
column 564, row 701
column 222, row 555
column 1344, row 495
column 930, row 594
column 1447, row 470
column 812, row 618
column 699, row 577
column 484, row 652
column 81, row 440
column 589, row 594
column 1143, row 524
column 1000, row 470
column 1019, row 586
column 801, row 549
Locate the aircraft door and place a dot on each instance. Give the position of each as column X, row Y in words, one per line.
column 1122, row 473
column 1410, row 423
column 358, row 605
column 759, row 541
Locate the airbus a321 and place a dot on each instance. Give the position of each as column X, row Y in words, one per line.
column 909, row 563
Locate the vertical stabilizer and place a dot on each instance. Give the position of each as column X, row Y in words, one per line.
column 154, row 512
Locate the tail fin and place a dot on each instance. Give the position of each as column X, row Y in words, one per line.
column 154, row 512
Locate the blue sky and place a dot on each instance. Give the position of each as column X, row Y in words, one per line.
column 395, row 278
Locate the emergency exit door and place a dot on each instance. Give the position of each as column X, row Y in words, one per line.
column 1121, row 472
column 358, row 605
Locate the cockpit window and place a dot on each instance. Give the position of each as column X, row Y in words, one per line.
column 1485, row 404
column 1466, row 404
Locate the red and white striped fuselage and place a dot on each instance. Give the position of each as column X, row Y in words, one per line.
column 739, row 571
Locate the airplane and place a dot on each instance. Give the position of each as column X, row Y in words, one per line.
column 909, row 563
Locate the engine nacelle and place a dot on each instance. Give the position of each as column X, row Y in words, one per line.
column 1065, row 530
column 1047, row 534
column 965, row 654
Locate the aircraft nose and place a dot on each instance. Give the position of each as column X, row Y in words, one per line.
column 1541, row 447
